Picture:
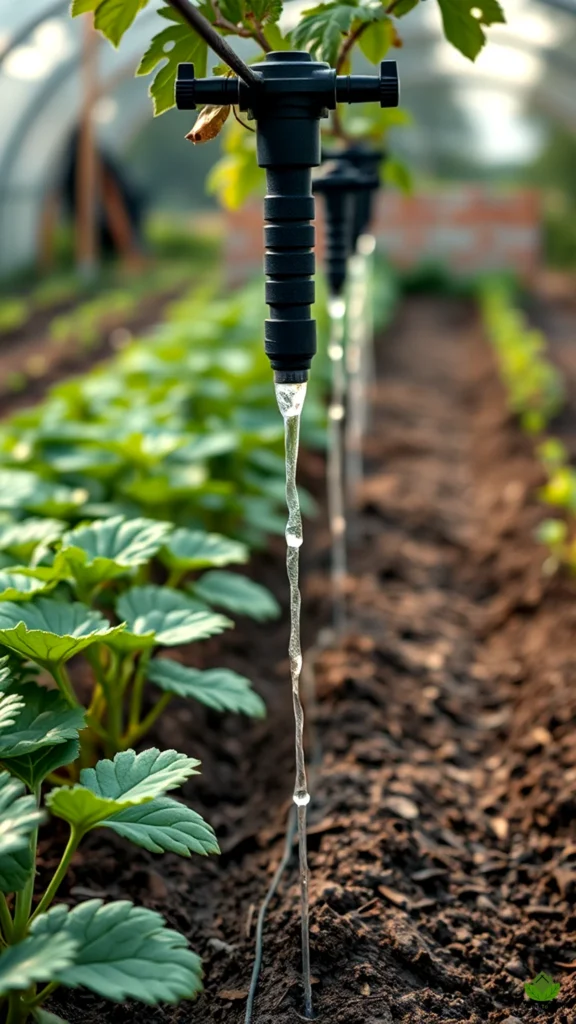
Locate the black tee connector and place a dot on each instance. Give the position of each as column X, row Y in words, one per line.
column 341, row 185
column 293, row 94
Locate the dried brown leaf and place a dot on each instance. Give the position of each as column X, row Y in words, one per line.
column 209, row 124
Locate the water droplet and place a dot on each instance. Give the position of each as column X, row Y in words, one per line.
column 301, row 799
column 293, row 541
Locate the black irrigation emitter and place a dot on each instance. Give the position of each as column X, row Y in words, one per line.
column 292, row 94
column 342, row 187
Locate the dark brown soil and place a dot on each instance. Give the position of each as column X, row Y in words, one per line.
column 442, row 842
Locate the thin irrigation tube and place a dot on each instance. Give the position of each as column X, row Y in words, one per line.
column 336, row 500
column 215, row 41
column 367, row 247
column 353, row 433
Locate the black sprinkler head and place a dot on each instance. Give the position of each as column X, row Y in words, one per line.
column 293, row 94
column 340, row 184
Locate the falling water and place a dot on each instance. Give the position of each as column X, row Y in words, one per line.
column 336, row 505
column 358, row 355
column 290, row 398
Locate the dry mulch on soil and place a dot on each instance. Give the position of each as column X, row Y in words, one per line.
column 442, row 849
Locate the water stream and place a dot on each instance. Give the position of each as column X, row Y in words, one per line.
column 358, row 357
column 290, row 398
column 336, row 503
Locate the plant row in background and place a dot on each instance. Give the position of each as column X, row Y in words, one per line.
column 536, row 394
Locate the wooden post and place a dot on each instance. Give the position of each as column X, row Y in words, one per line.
column 87, row 161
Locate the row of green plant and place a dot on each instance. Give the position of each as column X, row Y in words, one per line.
column 534, row 386
column 536, row 394
column 113, row 292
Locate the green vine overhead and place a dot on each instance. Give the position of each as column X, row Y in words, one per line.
column 330, row 31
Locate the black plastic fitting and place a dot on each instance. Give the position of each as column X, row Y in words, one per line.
column 367, row 163
column 341, row 185
column 293, row 94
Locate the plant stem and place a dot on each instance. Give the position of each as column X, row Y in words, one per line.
column 24, row 898
column 136, row 732
column 6, row 922
column 138, row 690
column 174, row 578
column 71, row 847
column 43, row 995
column 65, row 685
column 15, row 1009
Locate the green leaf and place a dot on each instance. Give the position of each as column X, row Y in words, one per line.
column 22, row 539
column 397, row 174
column 50, row 632
column 11, row 705
column 131, row 775
column 321, row 29
column 217, row 688
column 111, row 547
column 34, row 767
column 126, row 952
column 165, row 826
column 45, row 1017
column 376, row 40
column 45, row 720
column 463, row 21
column 194, row 549
column 177, row 44
column 265, row 10
column 19, row 817
column 237, row 594
column 83, row 809
column 160, row 615
column 38, row 958
column 19, row 586
column 114, row 17
column 404, row 7
column 83, row 7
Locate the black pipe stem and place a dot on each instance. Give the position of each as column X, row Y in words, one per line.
column 215, row 41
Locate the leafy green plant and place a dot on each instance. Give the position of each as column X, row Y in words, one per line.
column 534, row 386
column 13, row 314
column 116, row 950
column 104, row 607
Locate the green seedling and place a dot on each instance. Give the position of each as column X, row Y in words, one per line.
column 117, row 950
column 543, row 989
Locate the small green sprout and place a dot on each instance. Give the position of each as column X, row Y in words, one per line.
column 543, row 989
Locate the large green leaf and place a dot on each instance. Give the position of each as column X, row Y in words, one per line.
column 83, row 809
column 131, row 775
column 376, row 40
column 21, row 540
column 165, row 826
column 237, row 594
column 111, row 547
column 34, row 767
column 126, row 952
column 19, row 817
column 175, row 45
column 38, row 958
column 463, row 21
column 114, row 17
column 218, row 688
column 20, row 586
column 45, row 720
column 194, row 549
column 160, row 615
column 321, row 29
column 50, row 632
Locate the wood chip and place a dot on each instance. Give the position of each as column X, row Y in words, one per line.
column 403, row 807
column 232, row 994
column 397, row 898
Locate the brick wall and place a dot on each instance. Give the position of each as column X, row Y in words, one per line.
column 467, row 228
